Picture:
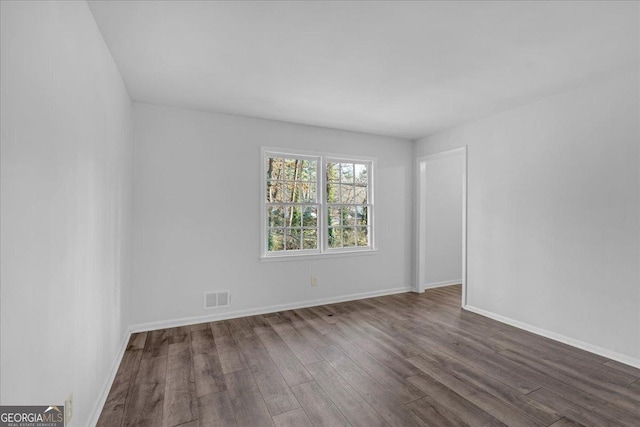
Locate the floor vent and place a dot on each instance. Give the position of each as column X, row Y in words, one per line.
column 216, row 299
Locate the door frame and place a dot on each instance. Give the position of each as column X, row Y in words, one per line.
column 420, row 161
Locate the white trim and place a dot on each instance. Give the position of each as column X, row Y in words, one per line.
column 102, row 399
column 312, row 153
column 443, row 154
column 464, row 224
column 150, row 326
column 315, row 255
column 461, row 150
column 601, row 351
column 432, row 285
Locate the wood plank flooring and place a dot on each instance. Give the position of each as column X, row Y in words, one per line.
column 400, row 360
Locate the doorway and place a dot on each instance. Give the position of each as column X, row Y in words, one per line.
column 442, row 220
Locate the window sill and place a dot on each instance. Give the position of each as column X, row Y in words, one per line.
column 326, row 255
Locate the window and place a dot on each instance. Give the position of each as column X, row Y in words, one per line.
column 292, row 204
column 315, row 204
column 347, row 197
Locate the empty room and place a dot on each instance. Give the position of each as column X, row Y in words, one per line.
column 319, row 213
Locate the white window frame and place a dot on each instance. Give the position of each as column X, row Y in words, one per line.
column 321, row 187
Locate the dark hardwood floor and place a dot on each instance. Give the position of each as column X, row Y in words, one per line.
column 398, row 360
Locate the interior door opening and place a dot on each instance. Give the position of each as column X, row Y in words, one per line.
column 442, row 223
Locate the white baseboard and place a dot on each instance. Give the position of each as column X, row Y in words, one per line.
column 102, row 399
column 610, row 354
column 150, row 326
column 432, row 285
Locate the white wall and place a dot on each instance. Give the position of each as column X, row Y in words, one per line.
column 197, row 215
column 66, row 147
column 440, row 199
column 553, row 202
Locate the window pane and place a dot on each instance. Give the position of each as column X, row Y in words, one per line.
column 275, row 217
column 276, row 240
column 293, row 238
column 333, row 193
column 361, row 174
column 347, row 172
column 334, row 216
column 274, row 191
column 363, row 236
column 348, row 216
column 335, row 237
column 306, row 192
column 362, row 215
column 274, row 168
column 349, row 237
column 289, row 189
column 308, row 170
column 346, row 194
column 291, row 168
column 333, row 172
column 310, row 239
column 310, row 217
column 361, row 194
column 312, row 190
column 293, row 216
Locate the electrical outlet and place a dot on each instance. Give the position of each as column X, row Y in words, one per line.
column 68, row 409
column 314, row 280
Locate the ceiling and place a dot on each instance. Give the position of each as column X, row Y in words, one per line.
column 406, row 69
